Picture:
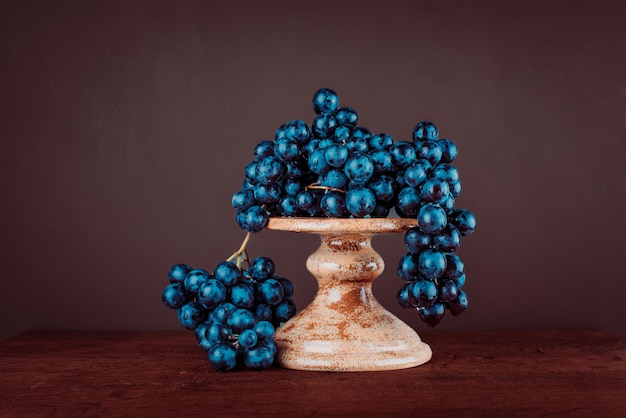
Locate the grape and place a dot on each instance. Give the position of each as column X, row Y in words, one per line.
column 333, row 204
column 403, row 296
column 416, row 173
column 347, row 116
column 191, row 314
column 228, row 273
column 234, row 311
column 464, row 220
column 248, row 338
column 381, row 141
column 269, row 170
column 243, row 199
column 323, row 126
column 297, row 130
column 334, row 178
column 240, row 319
column 408, row 267
column 448, row 291
column 431, row 263
column 449, row 150
column 425, row 131
column 432, row 218
column 433, row 314
column 174, row 296
column 263, row 149
column 359, row 132
column 359, row 167
column 403, row 153
column 416, row 240
column 383, row 161
column 336, row 155
column 423, row 293
column 430, row 151
column 409, row 202
column 458, row 305
column 195, row 279
column 434, row 190
column 178, row 272
column 325, row 100
column 211, row 293
column 271, row 292
column 448, row 240
column 360, row 201
column 259, row 358
column 341, row 133
column 222, row 357
column 286, row 149
column 261, row 268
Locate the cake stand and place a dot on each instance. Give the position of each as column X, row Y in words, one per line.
column 345, row 328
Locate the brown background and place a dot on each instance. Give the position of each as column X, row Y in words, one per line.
column 125, row 128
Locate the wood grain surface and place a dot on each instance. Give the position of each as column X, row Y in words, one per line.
column 153, row 374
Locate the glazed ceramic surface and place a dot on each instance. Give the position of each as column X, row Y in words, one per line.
column 345, row 328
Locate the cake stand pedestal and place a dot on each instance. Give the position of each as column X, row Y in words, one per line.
column 345, row 328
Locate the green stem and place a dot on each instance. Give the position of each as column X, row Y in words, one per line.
column 241, row 253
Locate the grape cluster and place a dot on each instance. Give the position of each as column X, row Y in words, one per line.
column 233, row 311
column 336, row 168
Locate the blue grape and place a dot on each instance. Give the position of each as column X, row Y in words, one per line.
column 432, row 314
column 286, row 149
column 242, row 296
column 336, row 155
column 267, row 194
column 432, row 218
column 243, row 199
column 217, row 332
column 333, row 204
column 454, row 267
column 448, row 291
column 435, row 190
column 284, row 311
column 334, row 178
column 456, row 188
column 423, row 293
column 355, row 145
column 222, row 357
column 448, row 240
column 359, row 167
column 240, row 319
column 254, row 219
column 383, row 161
column 383, row 187
column 317, row 162
column 341, row 133
column 347, row 116
column 178, row 272
column 381, row 141
column 360, row 201
column 259, row 358
column 287, row 286
column 292, row 187
column 305, row 200
column 269, row 170
column 195, row 279
column 425, row 131
column 263, row 149
column 404, row 154
column 211, row 293
column 403, row 296
column 449, row 150
column 408, row 267
column 222, row 312
column 227, row 272
column 264, row 330
column 325, row 101
column 191, row 314
column 416, row 173
column 263, row 312
column 459, row 305
column 261, row 268
column 248, row 338
column 464, row 221
column 271, row 292
column 446, row 172
column 432, row 263
column 297, row 130
column 360, row 132
column 324, row 126
column 417, row 240
column 174, row 296
column 430, row 151
column 409, row 202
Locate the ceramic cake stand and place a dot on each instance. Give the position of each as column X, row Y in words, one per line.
column 345, row 328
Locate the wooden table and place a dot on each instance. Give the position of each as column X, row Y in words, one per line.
column 512, row 373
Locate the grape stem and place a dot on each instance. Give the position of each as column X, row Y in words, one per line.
column 241, row 254
column 326, row 188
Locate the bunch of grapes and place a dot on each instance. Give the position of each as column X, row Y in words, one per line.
column 336, row 168
column 233, row 311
